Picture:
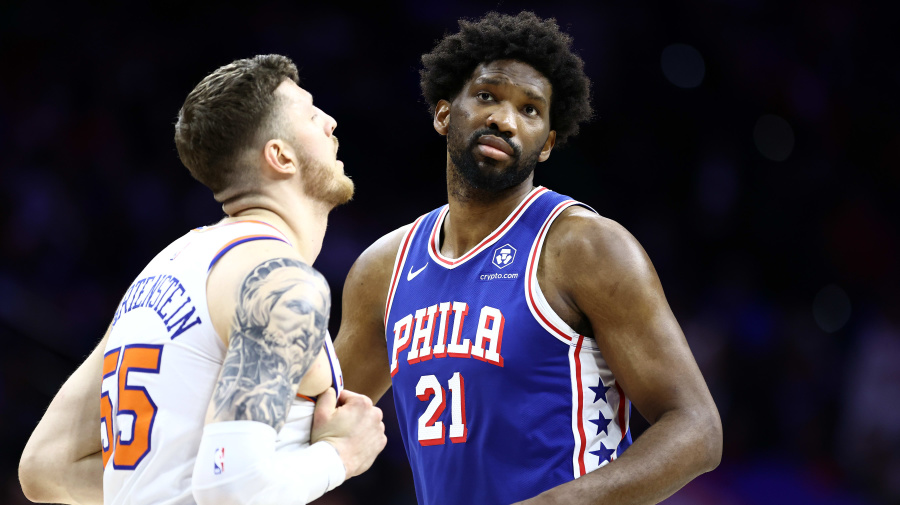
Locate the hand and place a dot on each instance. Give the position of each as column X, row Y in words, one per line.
column 352, row 425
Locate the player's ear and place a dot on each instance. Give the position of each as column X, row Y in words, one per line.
column 442, row 117
column 548, row 146
column 281, row 160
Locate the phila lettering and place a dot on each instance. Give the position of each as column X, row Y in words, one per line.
column 416, row 334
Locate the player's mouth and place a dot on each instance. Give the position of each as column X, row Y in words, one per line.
column 494, row 147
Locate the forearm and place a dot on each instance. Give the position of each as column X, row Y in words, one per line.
column 676, row 449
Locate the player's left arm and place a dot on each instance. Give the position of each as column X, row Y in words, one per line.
column 601, row 272
column 62, row 461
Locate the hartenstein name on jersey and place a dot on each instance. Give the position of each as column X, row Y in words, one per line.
column 416, row 332
column 161, row 293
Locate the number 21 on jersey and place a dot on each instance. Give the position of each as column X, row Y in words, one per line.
column 125, row 426
column 431, row 431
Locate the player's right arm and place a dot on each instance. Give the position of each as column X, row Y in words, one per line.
column 360, row 345
column 62, row 460
column 276, row 315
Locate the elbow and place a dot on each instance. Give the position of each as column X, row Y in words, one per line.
column 712, row 441
column 30, row 479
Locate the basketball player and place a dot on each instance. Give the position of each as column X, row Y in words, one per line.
column 516, row 325
column 226, row 327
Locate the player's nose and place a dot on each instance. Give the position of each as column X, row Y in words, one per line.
column 503, row 118
column 329, row 123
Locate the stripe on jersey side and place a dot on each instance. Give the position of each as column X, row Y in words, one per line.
column 399, row 262
column 238, row 241
column 337, row 376
column 604, row 413
column 435, row 252
column 577, row 408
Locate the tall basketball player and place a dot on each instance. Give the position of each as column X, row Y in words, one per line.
column 516, row 325
column 217, row 361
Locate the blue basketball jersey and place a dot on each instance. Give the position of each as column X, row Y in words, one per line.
column 498, row 399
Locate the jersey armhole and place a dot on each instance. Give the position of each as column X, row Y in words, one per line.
column 399, row 261
column 537, row 303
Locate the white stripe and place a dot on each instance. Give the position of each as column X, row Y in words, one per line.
column 575, row 413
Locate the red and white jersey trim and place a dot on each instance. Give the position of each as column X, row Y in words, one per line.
column 434, row 249
column 399, row 262
column 589, row 372
column 537, row 303
column 586, row 367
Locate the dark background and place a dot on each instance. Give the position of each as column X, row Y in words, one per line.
column 753, row 147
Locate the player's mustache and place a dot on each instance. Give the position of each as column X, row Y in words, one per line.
column 473, row 139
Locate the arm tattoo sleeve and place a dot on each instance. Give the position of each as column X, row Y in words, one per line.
column 279, row 328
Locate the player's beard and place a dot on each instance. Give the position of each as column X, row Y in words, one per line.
column 486, row 180
column 324, row 182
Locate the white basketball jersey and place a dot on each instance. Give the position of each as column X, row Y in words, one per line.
column 160, row 367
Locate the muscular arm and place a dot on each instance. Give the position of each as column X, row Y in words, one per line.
column 62, row 460
column 278, row 328
column 360, row 345
column 600, row 277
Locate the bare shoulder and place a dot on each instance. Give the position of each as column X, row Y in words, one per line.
column 360, row 342
column 251, row 265
column 581, row 240
column 372, row 270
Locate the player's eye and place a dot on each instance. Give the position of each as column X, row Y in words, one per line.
column 531, row 110
column 484, row 96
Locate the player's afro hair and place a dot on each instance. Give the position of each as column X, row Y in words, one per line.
column 523, row 37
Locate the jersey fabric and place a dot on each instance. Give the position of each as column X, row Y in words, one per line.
column 160, row 366
column 498, row 399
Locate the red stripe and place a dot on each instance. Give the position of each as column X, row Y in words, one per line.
column 580, row 405
column 307, row 398
column 621, row 411
column 534, row 261
column 395, row 276
column 486, row 241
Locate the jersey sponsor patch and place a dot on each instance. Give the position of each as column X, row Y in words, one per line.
column 504, row 256
column 496, row 276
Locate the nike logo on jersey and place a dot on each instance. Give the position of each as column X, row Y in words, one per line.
column 412, row 275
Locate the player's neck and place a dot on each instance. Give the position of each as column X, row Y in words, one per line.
column 301, row 220
column 470, row 220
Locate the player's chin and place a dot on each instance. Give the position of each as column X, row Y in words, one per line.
column 344, row 190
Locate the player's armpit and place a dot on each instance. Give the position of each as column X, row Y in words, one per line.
column 360, row 344
column 278, row 329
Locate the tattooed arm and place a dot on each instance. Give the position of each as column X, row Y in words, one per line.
column 278, row 322
column 278, row 329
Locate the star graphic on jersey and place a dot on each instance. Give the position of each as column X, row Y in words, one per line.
column 601, row 422
column 603, row 453
column 599, row 391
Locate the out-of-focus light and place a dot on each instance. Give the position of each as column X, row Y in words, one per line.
column 774, row 137
column 682, row 65
column 831, row 308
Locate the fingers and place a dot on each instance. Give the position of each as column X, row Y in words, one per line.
column 348, row 396
column 326, row 402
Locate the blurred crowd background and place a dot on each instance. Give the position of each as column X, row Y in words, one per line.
column 752, row 147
